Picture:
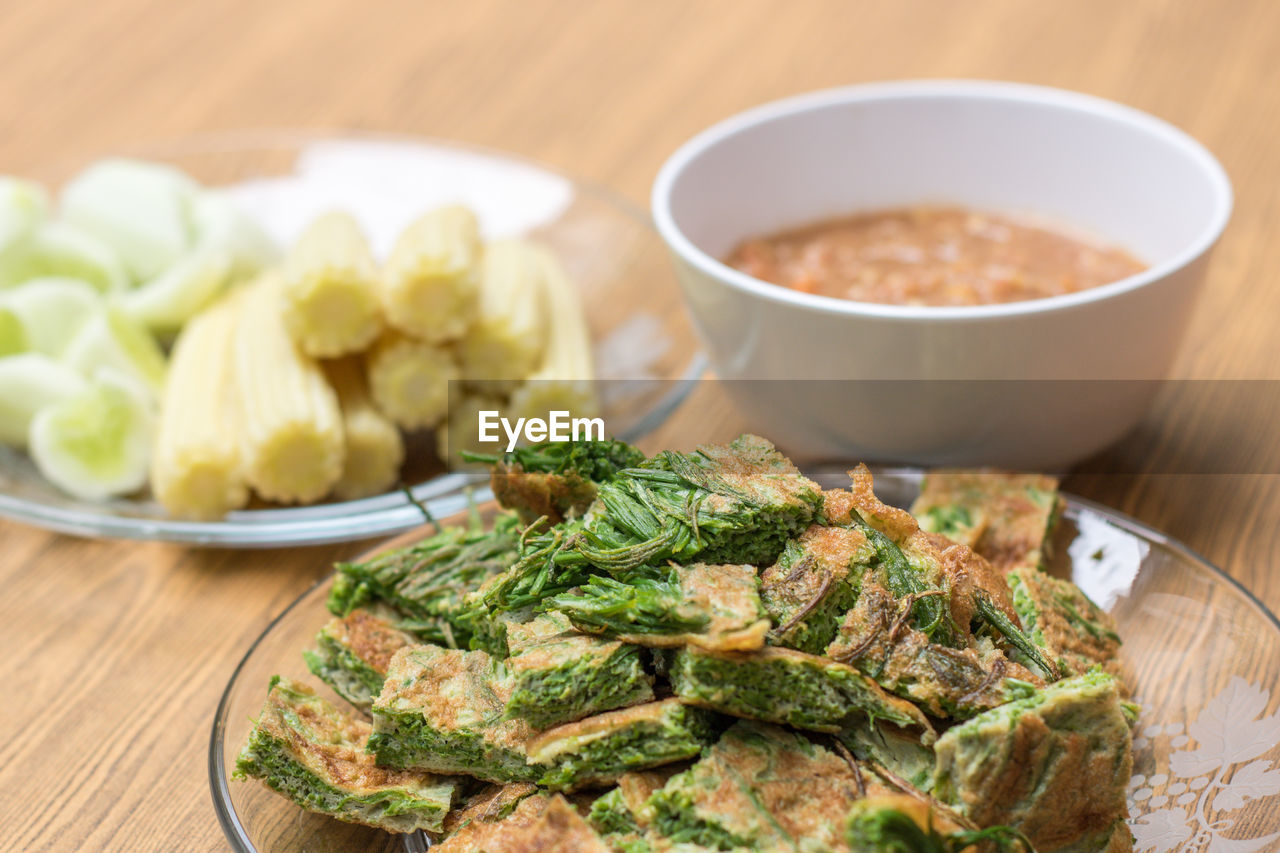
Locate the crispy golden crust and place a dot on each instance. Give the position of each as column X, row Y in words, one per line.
column 963, row 571
column 536, row 494
column 330, row 743
column 371, row 638
column 895, row 523
column 770, row 784
column 453, row 690
column 538, row 824
column 1062, row 612
column 489, row 805
column 943, row 681
column 1009, row 512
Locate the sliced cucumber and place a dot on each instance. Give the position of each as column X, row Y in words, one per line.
column 180, row 292
column 96, row 444
column 13, row 334
column 23, row 207
column 61, row 250
column 219, row 222
column 112, row 339
column 142, row 210
column 52, row 311
column 29, row 383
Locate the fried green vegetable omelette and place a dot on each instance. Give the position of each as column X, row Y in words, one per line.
column 705, row 651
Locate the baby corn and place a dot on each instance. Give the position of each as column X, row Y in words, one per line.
column 292, row 427
column 430, row 281
column 409, row 380
column 374, row 446
column 332, row 304
column 196, row 469
column 510, row 334
column 563, row 382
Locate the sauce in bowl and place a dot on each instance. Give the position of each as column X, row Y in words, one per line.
column 942, row 256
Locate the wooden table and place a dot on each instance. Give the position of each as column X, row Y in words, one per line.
column 115, row 653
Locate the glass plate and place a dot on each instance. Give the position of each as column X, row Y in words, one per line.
column 1201, row 653
column 641, row 332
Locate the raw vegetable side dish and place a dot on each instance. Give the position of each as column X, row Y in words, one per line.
column 707, row 651
column 152, row 335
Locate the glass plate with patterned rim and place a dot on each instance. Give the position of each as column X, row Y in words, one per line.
column 1201, row 653
column 643, row 339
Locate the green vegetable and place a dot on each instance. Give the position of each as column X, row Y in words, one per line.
column 813, row 584
column 141, row 210
column 597, row 461
column 23, row 207
column 96, row 443
column 110, row 338
column 714, row 607
column 876, row 827
column 784, row 686
column 555, row 480
column 29, row 383
column 929, row 613
column 428, row 581
column 59, row 250
column 738, row 503
column 599, row 749
column 52, row 311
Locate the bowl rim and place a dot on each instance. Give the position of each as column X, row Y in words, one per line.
column 1023, row 94
column 216, row 767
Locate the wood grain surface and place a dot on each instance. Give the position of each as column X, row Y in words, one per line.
column 115, row 653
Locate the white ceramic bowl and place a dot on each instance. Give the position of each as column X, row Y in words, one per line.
column 1027, row 384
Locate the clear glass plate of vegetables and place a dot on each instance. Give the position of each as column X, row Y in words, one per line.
column 250, row 339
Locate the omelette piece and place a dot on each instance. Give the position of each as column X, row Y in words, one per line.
column 1053, row 766
column 538, row 823
column 353, row 653
column 901, row 752
column 444, row 710
column 712, row 607
column 487, row 804
column 307, row 750
column 952, row 591
column 556, row 479
column 1060, row 618
column 762, row 788
column 785, row 686
column 734, row 503
column 1008, row 518
column 899, row 823
column 560, row 675
column 813, row 584
column 877, row 640
column 427, row 582
column 610, row 815
column 599, row 749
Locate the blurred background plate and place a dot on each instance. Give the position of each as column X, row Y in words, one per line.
column 1199, row 650
column 644, row 344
